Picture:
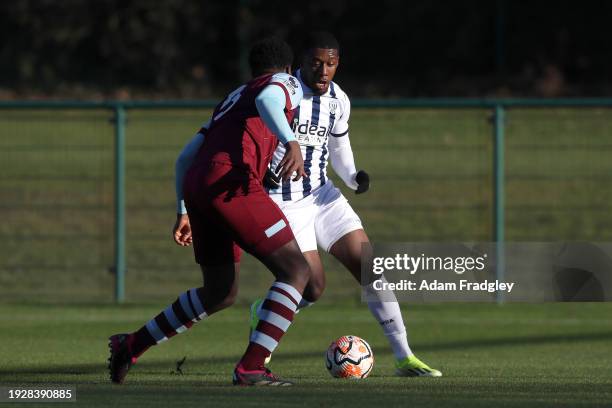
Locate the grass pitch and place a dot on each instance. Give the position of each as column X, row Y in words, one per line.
column 513, row 355
column 431, row 169
column 432, row 178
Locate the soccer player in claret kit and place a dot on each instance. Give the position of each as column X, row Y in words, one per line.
column 317, row 211
column 228, row 208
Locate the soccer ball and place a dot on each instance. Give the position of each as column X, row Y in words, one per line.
column 349, row 357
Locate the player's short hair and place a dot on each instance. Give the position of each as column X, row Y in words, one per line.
column 320, row 39
column 270, row 52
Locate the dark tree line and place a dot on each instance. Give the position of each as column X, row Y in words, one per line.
column 390, row 48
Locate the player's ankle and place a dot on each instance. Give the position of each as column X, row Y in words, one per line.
column 250, row 365
column 254, row 357
column 139, row 342
column 404, row 357
column 242, row 367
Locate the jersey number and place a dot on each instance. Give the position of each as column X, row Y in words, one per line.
column 229, row 102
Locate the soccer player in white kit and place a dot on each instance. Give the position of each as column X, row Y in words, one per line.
column 317, row 211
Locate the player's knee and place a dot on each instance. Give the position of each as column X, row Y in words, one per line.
column 216, row 298
column 227, row 301
column 217, row 303
column 299, row 272
column 316, row 285
column 288, row 264
column 313, row 291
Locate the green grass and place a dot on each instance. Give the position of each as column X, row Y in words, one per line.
column 432, row 177
column 510, row 356
column 431, row 172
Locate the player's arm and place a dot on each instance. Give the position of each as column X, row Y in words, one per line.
column 341, row 155
column 183, row 163
column 182, row 229
column 271, row 104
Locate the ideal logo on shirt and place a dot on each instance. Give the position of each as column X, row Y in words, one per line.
column 312, row 135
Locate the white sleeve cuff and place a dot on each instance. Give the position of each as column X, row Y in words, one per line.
column 180, row 207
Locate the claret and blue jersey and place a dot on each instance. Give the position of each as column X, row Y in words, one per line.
column 237, row 134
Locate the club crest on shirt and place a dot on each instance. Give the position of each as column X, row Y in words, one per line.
column 333, row 105
column 288, row 82
column 291, row 84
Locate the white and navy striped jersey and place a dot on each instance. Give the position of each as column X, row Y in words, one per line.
column 317, row 118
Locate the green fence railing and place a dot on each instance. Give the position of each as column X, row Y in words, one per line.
column 585, row 170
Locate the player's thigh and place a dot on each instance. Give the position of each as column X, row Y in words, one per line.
column 254, row 221
column 334, row 219
column 213, row 245
column 301, row 217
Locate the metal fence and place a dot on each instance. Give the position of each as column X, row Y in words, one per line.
column 88, row 187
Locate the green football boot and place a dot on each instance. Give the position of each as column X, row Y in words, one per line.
column 413, row 367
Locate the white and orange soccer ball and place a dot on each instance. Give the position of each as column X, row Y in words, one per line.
column 349, row 357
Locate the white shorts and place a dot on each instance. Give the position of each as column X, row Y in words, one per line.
column 322, row 218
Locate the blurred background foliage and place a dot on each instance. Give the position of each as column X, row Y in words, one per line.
column 391, row 48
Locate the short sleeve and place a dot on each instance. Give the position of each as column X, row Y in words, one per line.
column 341, row 126
column 292, row 88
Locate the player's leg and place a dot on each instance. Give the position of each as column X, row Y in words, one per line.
column 260, row 227
column 288, row 265
column 316, row 285
column 218, row 257
column 348, row 250
column 312, row 292
column 276, row 315
column 220, row 287
column 340, row 232
column 301, row 217
column 192, row 306
column 218, row 292
column 301, row 220
column 387, row 312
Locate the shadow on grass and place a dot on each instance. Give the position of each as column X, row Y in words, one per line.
column 168, row 366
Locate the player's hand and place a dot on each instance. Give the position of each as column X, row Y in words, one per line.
column 182, row 230
column 363, row 181
column 292, row 162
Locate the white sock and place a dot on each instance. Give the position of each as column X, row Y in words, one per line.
column 389, row 316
